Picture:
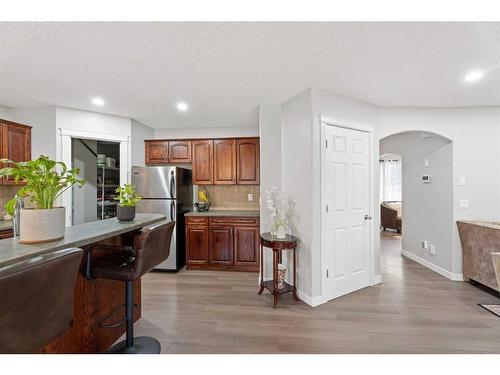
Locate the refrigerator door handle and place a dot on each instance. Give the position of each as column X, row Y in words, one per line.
column 172, row 210
column 172, row 184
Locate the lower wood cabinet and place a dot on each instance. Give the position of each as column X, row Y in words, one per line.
column 222, row 243
column 246, row 240
column 197, row 245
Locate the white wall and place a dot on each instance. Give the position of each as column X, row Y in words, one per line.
column 43, row 132
column 301, row 173
column 189, row 133
column 139, row 132
column 427, row 207
column 5, row 113
column 270, row 166
column 475, row 133
column 85, row 197
column 296, row 180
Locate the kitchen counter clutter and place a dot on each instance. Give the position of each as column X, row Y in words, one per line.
column 223, row 240
column 219, row 213
column 95, row 301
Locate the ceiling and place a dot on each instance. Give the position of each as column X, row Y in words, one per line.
column 225, row 70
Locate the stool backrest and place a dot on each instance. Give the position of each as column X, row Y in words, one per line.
column 36, row 300
column 152, row 246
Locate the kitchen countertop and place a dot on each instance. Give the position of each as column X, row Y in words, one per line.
column 243, row 213
column 6, row 224
column 12, row 251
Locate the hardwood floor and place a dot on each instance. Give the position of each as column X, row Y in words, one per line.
column 414, row 310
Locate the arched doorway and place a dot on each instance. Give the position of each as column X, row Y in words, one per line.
column 421, row 228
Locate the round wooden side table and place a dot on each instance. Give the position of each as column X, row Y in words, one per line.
column 277, row 245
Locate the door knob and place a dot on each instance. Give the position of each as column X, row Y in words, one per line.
column 368, row 217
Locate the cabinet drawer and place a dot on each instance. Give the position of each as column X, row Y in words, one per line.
column 196, row 220
column 234, row 221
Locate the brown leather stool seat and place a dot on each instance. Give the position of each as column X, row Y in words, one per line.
column 128, row 263
column 36, row 297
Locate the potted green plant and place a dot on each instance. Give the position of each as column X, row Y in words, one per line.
column 128, row 199
column 45, row 180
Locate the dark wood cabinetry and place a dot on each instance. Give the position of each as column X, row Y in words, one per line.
column 203, row 162
column 179, row 151
column 156, row 152
column 222, row 243
column 225, row 161
column 246, row 241
column 167, row 152
column 248, row 161
column 197, row 241
column 15, row 144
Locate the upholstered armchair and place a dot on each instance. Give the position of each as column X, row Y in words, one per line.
column 390, row 215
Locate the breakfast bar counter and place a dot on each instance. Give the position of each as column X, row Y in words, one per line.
column 95, row 301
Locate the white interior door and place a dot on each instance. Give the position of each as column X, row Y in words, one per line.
column 346, row 221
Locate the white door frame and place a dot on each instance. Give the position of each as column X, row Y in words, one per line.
column 64, row 154
column 326, row 121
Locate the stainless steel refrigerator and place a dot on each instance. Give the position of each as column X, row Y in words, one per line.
column 167, row 191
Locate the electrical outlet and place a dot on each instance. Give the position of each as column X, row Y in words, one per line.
column 250, row 197
column 461, row 180
column 432, row 249
column 425, row 245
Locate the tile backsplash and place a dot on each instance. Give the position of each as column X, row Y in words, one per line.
column 233, row 197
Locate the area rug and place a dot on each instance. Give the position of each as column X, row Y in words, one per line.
column 494, row 309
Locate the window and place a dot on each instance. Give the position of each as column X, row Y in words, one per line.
column 390, row 178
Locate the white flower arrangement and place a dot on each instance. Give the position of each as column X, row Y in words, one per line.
column 281, row 211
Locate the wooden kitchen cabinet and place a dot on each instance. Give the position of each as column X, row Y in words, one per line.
column 196, row 243
column 156, row 152
column 248, row 156
column 246, row 241
column 221, row 245
column 15, row 144
column 179, row 151
column 203, row 162
column 232, row 244
column 225, row 161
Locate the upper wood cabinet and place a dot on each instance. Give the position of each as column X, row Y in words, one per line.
column 225, row 161
column 203, row 162
column 248, row 156
column 15, row 144
column 179, row 151
column 156, row 152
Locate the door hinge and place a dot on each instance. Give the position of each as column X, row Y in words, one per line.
column 326, row 143
column 326, row 208
column 326, row 273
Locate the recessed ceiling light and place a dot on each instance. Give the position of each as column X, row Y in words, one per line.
column 474, row 76
column 182, row 106
column 98, row 102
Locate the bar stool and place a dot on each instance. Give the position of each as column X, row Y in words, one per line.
column 126, row 263
column 36, row 297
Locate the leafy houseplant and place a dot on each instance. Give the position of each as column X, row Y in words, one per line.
column 45, row 180
column 128, row 198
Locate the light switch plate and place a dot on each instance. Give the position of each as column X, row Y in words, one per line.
column 425, row 245
column 250, row 197
column 432, row 249
column 426, row 163
column 463, row 203
column 461, row 180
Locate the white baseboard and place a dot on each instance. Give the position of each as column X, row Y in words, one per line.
column 426, row 263
column 311, row 301
column 376, row 280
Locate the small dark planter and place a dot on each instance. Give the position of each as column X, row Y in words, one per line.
column 125, row 213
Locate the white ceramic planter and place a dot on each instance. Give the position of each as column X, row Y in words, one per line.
column 42, row 225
